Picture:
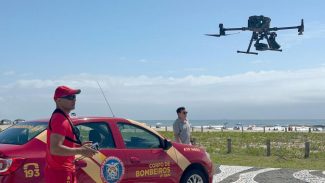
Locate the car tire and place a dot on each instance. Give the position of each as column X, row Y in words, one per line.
column 194, row 176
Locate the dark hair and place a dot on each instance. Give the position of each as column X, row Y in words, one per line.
column 180, row 109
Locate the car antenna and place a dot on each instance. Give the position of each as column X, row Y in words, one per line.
column 109, row 106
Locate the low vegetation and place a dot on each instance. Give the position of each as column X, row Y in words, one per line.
column 249, row 148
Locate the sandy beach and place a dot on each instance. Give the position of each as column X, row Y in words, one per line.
column 246, row 129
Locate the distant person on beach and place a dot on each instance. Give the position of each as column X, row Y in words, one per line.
column 62, row 138
column 181, row 127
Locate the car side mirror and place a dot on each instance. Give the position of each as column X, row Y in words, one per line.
column 167, row 144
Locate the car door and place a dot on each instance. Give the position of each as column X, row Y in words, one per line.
column 108, row 164
column 146, row 160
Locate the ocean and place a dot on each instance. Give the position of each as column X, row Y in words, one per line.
column 232, row 123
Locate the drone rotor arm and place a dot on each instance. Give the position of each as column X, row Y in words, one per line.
column 283, row 28
column 236, row 29
column 299, row 27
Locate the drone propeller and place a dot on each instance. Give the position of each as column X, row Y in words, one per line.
column 218, row 35
column 215, row 35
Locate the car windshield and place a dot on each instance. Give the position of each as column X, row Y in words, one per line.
column 21, row 133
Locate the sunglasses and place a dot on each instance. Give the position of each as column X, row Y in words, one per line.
column 69, row 97
column 185, row 112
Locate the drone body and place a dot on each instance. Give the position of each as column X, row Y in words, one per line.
column 260, row 27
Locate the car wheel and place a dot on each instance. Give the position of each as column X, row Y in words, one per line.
column 194, row 176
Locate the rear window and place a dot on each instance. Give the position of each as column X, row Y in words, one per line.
column 21, row 133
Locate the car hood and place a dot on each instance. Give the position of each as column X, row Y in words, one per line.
column 186, row 149
column 193, row 154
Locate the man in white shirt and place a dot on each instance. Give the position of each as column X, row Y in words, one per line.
column 181, row 127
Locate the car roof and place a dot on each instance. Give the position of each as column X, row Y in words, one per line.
column 83, row 119
column 80, row 119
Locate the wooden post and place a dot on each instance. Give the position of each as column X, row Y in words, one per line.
column 309, row 130
column 201, row 128
column 242, row 129
column 192, row 129
column 229, row 145
column 268, row 147
column 307, row 149
column 285, row 129
column 264, row 128
column 166, row 128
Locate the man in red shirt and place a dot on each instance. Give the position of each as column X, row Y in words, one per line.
column 62, row 139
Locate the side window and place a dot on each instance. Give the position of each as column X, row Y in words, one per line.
column 22, row 132
column 97, row 132
column 135, row 137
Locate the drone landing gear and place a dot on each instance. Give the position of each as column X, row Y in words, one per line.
column 271, row 43
column 254, row 37
column 247, row 52
column 254, row 53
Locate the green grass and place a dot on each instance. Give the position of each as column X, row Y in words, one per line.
column 249, row 148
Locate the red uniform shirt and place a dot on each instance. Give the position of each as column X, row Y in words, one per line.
column 60, row 125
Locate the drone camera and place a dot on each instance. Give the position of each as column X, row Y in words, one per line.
column 261, row 46
column 272, row 43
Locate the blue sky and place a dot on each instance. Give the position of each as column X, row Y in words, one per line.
column 152, row 56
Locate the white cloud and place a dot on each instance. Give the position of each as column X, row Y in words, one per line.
column 229, row 95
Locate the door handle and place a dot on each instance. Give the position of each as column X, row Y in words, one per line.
column 134, row 159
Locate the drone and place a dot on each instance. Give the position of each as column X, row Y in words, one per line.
column 260, row 26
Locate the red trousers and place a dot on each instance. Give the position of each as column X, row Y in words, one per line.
column 59, row 176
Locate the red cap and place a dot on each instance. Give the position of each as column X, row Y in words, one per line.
column 62, row 91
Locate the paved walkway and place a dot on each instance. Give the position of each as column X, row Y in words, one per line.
column 245, row 174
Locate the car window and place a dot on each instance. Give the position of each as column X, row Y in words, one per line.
column 21, row 132
column 136, row 137
column 97, row 132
